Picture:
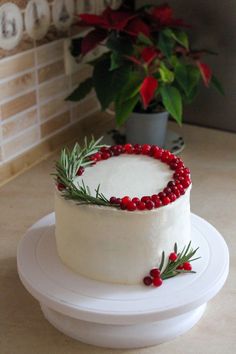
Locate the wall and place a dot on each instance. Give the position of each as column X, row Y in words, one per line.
column 34, row 84
column 214, row 27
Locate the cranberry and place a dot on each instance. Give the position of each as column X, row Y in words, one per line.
column 155, row 272
column 173, row 256
column 137, row 149
column 158, row 203
column 180, row 267
column 167, row 190
column 135, row 200
column 186, row 183
column 118, row 200
column 113, row 200
column 154, row 197
column 98, row 156
column 157, row 154
column 172, row 197
column 187, row 266
column 141, row 206
column 126, row 199
column 171, row 184
column 165, row 156
column 105, row 155
column 157, row 281
column 105, row 149
column 149, row 205
column 80, row 171
column 123, row 206
column 173, row 165
column 146, row 149
column 145, row 198
column 181, row 189
column 161, row 195
column 153, row 150
column 147, row 281
column 60, row 186
column 131, row 206
column 129, row 148
column 165, row 200
column 180, row 164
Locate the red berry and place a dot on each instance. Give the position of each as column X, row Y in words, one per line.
column 173, row 165
column 187, row 266
column 145, row 198
column 105, row 155
column 186, row 183
column 173, row 256
column 123, row 206
column 118, row 201
column 149, row 205
column 165, row 156
column 141, row 206
column 131, row 206
column 167, row 190
column 135, row 200
column 113, row 200
column 98, row 156
column 180, row 164
column 153, row 150
column 105, row 149
column 161, row 195
column 147, row 281
column 154, row 197
column 158, row 203
column 126, row 199
column 137, row 149
column 158, row 153
column 155, row 272
column 181, row 189
column 80, row 171
column 171, row 184
column 172, row 197
column 187, row 170
column 146, row 149
column 165, row 200
column 60, row 186
column 180, row 267
column 157, row 281
column 129, row 148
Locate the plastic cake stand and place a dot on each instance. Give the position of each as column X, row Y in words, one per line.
column 120, row 316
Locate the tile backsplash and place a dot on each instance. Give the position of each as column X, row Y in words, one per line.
column 33, row 80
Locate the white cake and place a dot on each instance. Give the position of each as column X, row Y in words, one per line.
column 118, row 246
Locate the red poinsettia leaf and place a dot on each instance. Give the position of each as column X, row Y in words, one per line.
column 147, row 90
column 137, row 26
column 92, row 39
column 148, row 54
column 205, row 71
column 163, row 14
column 92, row 20
column 117, row 19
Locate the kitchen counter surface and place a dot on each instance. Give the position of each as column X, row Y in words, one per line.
column 211, row 155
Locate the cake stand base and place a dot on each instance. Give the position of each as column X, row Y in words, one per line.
column 124, row 336
column 120, row 316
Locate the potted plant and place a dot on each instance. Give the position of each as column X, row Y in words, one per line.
column 147, row 72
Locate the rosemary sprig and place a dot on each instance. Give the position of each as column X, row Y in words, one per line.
column 66, row 170
column 171, row 269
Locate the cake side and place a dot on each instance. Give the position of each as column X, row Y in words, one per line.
column 116, row 246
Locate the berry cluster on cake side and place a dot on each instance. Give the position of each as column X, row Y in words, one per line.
column 120, row 209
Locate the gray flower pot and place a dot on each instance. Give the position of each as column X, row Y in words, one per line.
column 147, row 128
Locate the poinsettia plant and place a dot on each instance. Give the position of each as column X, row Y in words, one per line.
column 148, row 66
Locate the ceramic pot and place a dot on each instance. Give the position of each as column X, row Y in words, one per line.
column 147, row 128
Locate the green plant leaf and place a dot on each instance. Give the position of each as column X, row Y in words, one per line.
column 119, row 44
column 178, row 35
column 124, row 108
column 132, row 87
column 167, row 75
column 81, row 91
column 187, row 76
column 172, row 101
column 144, row 39
column 217, row 85
column 166, row 44
column 116, row 60
column 108, row 84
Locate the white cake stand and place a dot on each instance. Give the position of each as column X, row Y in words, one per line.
column 119, row 316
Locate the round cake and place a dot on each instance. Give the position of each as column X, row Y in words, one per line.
column 117, row 232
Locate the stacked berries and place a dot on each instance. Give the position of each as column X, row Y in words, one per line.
column 155, row 277
column 174, row 189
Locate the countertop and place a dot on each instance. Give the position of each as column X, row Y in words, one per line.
column 211, row 155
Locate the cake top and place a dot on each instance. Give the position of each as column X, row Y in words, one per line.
column 128, row 177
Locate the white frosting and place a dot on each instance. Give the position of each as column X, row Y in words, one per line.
column 131, row 175
column 112, row 245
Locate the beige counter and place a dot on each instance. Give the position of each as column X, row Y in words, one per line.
column 211, row 155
